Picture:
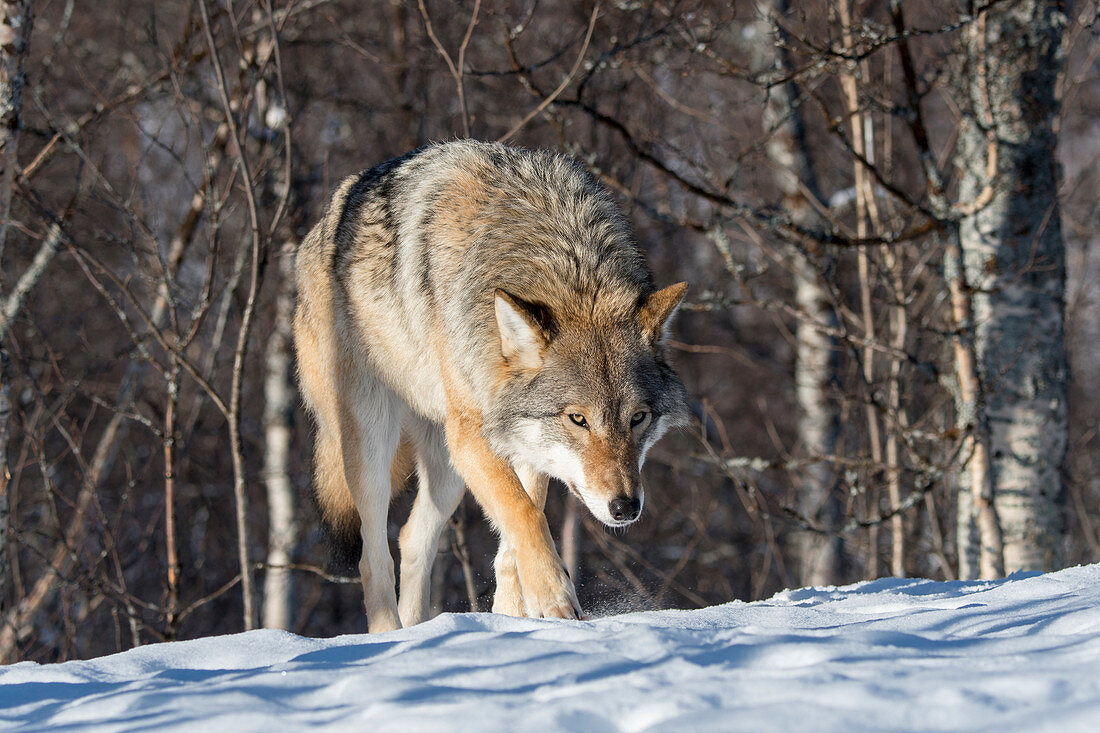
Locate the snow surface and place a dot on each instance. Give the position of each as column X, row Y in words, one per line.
column 1016, row 654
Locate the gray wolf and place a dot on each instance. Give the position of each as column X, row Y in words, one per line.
column 481, row 313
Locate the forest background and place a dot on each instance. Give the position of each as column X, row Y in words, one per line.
column 886, row 211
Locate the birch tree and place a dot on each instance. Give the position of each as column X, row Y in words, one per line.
column 821, row 556
column 15, row 31
column 278, row 407
column 1013, row 256
column 16, row 18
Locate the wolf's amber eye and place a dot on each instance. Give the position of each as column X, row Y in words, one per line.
column 638, row 418
column 578, row 419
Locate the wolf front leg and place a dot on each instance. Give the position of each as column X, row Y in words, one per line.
column 545, row 586
column 508, row 598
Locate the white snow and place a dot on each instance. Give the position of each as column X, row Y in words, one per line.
column 1017, row 654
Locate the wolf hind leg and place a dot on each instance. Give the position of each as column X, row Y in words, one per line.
column 439, row 491
column 508, row 598
column 370, row 428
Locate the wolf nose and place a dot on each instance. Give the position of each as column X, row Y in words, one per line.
column 625, row 508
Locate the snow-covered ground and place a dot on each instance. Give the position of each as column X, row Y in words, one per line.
column 1017, row 654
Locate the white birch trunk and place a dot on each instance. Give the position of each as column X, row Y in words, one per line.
column 277, row 612
column 1013, row 256
column 821, row 558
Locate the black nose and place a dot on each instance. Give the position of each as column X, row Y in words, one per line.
column 625, row 508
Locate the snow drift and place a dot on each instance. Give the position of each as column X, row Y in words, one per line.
column 1021, row 653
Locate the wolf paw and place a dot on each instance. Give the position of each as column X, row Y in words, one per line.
column 551, row 596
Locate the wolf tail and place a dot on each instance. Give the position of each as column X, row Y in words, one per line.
column 338, row 512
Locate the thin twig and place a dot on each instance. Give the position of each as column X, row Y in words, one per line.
column 564, row 82
column 29, row 278
column 457, row 71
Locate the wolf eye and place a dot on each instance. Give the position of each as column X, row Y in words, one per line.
column 578, row 420
column 638, row 418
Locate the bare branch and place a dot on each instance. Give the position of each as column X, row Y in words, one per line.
column 564, row 82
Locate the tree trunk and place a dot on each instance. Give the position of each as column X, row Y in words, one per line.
column 981, row 550
column 821, row 558
column 16, row 18
column 867, row 223
column 278, row 407
column 1013, row 256
column 5, row 512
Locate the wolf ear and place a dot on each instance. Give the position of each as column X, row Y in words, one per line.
column 522, row 339
column 656, row 312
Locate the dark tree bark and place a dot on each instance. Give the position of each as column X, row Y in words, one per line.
column 16, row 17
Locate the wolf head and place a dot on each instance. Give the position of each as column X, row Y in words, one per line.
column 584, row 401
